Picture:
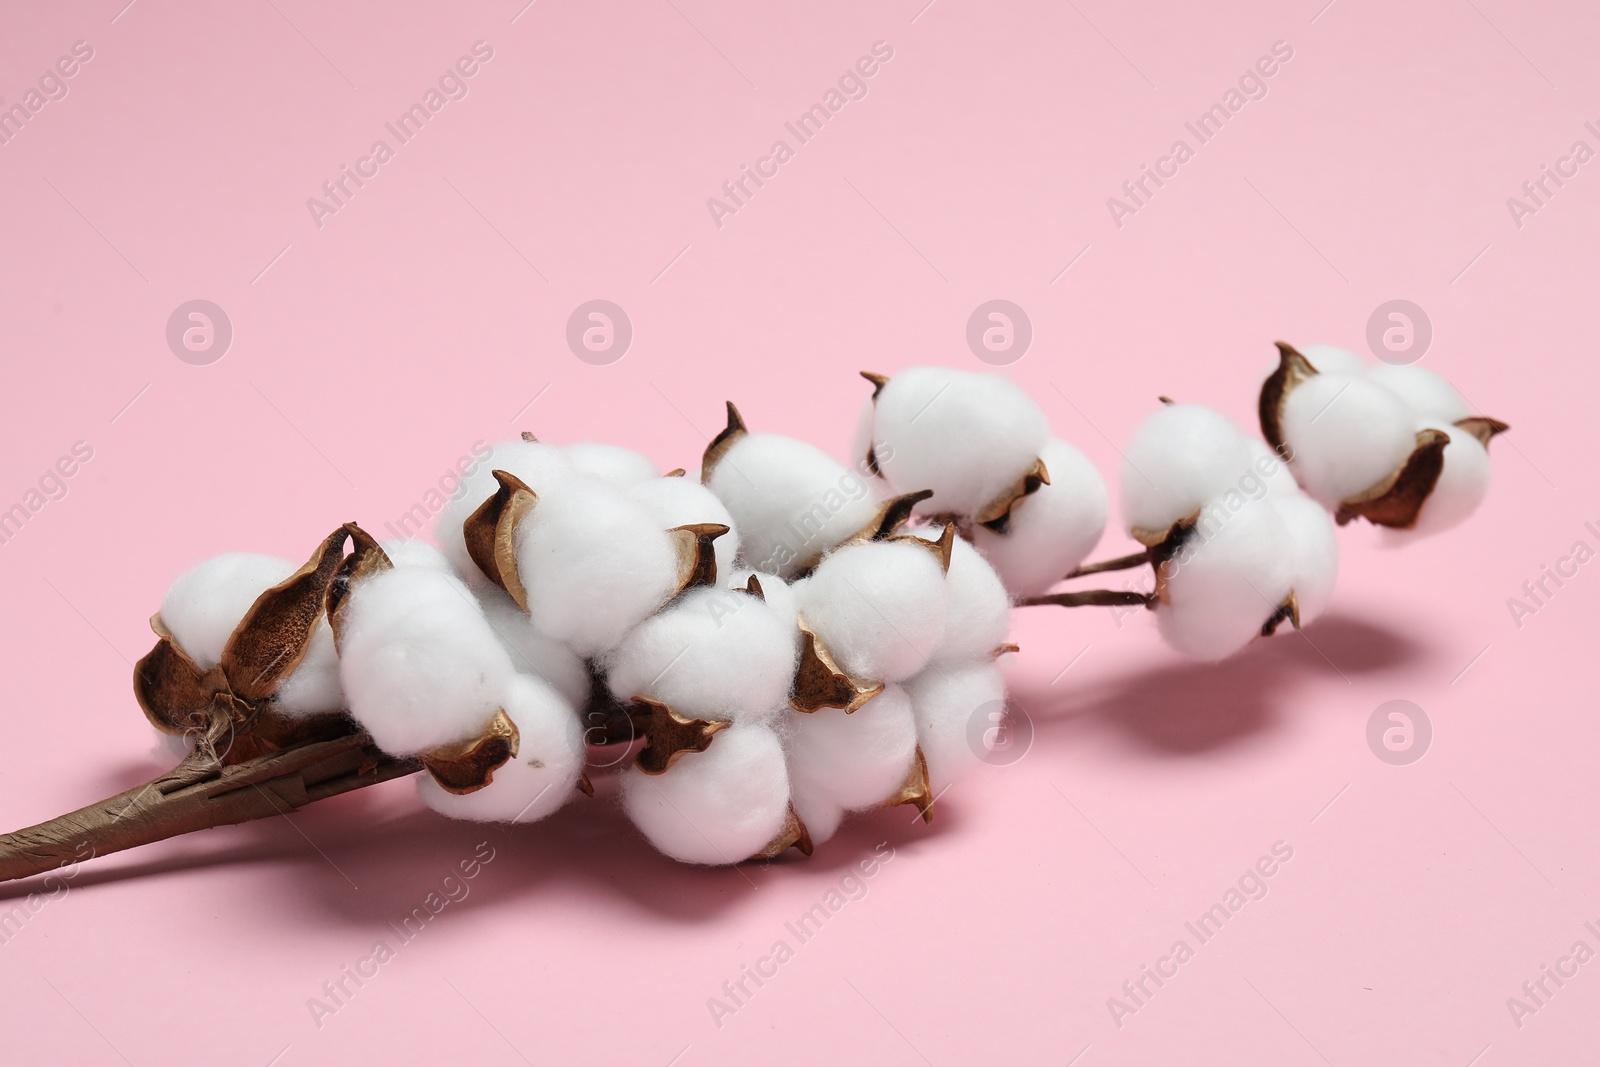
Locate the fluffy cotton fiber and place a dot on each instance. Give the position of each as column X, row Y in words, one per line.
column 977, row 608
column 968, row 437
column 682, row 502
column 410, row 552
column 207, row 602
column 779, row 595
column 878, row 607
column 790, row 501
column 1426, row 392
column 1052, row 530
column 1314, row 553
column 1227, row 580
column 719, row 806
column 593, row 562
column 853, row 760
column 1180, row 457
column 539, row 779
column 419, row 663
column 947, row 699
column 714, row 653
column 531, row 651
column 618, row 466
column 1347, row 435
column 540, row 466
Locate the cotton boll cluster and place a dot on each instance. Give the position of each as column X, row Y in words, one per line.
column 1235, row 544
column 1394, row 444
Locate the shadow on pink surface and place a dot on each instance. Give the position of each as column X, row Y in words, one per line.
column 1186, row 709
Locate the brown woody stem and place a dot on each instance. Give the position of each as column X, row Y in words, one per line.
column 1121, row 563
column 197, row 794
column 1099, row 598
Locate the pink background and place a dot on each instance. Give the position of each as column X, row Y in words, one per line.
column 370, row 353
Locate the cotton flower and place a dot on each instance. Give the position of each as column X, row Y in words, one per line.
column 1052, row 530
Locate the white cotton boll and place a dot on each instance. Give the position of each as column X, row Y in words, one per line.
column 790, row 501
column 719, row 806
column 1226, row 580
column 410, row 552
column 681, row 502
column 593, row 564
column 713, row 653
column 542, row 776
column 1269, row 469
column 419, row 663
column 1428, row 394
column 1331, row 359
column 878, row 607
column 540, row 466
column 532, row 652
column 1180, row 457
column 1314, row 553
column 621, row 467
column 977, row 607
column 1462, row 485
column 1053, row 529
column 947, row 699
column 855, row 760
column 1347, row 435
column 968, row 437
column 206, row 603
